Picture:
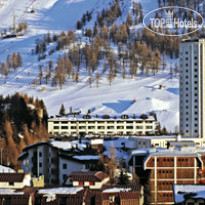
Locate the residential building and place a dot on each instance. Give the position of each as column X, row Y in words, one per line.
column 192, row 88
column 104, row 125
column 161, row 141
column 85, row 196
column 23, row 196
column 56, row 159
column 117, row 196
column 180, row 163
column 93, row 180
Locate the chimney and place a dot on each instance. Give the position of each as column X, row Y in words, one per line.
column 178, row 137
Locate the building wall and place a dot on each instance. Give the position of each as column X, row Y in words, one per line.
column 166, row 171
column 114, row 126
column 192, row 87
column 96, row 185
column 71, row 166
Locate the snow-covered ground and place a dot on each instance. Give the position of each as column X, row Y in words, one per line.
column 131, row 96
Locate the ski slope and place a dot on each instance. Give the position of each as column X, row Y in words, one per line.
column 139, row 95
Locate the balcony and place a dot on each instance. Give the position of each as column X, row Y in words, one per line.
column 54, row 171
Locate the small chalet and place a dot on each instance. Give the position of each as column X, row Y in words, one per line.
column 92, row 179
column 61, row 195
column 117, row 196
column 15, row 180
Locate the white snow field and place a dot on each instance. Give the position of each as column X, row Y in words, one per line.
column 131, row 96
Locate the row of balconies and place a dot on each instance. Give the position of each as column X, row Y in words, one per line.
column 102, row 122
column 104, row 128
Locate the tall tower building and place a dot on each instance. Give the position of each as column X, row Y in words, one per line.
column 192, row 88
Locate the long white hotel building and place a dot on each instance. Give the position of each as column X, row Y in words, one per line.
column 105, row 125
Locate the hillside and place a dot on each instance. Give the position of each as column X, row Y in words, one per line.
column 138, row 95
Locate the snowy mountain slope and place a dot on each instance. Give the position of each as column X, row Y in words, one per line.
column 139, row 95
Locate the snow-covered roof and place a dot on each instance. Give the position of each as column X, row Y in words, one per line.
column 50, row 194
column 87, row 157
column 4, row 169
column 60, row 190
column 115, row 189
column 10, row 191
column 96, row 141
column 100, row 118
column 164, row 137
column 67, row 145
column 180, row 191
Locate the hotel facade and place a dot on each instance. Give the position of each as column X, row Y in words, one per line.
column 192, row 87
column 105, row 125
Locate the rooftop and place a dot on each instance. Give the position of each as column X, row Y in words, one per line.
column 12, row 177
column 194, row 192
column 91, row 176
column 99, row 117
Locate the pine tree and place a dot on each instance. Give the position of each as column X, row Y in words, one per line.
column 27, row 138
column 62, row 110
column 19, row 60
column 135, row 178
column 123, row 179
column 14, row 61
column 97, row 79
column 40, row 74
column 112, row 164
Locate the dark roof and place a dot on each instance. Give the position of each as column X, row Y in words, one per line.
column 70, row 157
column 91, row 176
column 22, row 156
column 34, row 145
column 12, row 177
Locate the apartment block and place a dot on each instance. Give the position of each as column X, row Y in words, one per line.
column 162, row 168
column 55, row 160
column 192, row 87
column 105, row 125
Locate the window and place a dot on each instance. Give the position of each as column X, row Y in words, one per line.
column 56, row 127
column 80, row 183
column 11, row 183
column 91, row 183
column 40, row 164
column 63, row 201
column 64, row 127
column 64, row 166
column 40, row 154
column 64, row 122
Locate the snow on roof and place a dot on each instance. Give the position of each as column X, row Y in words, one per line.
column 99, row 117
column 115, row 189
column 60, row 190
column 96, row 141
column 31, row 106
column 87, row 157
column 67, row 145
column 180, row 191
column 9, row 192
column 4, row 169
column 50, row 194
column 164, row 137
